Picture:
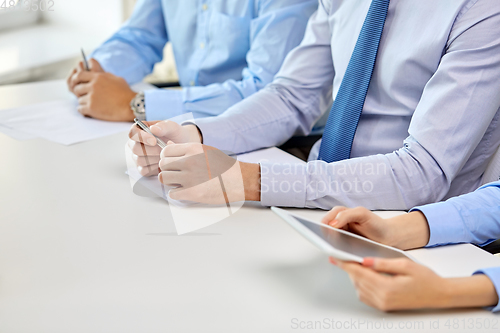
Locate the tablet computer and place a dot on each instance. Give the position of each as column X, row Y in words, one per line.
column 338, row 243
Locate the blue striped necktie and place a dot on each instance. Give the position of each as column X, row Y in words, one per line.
column 344, row 117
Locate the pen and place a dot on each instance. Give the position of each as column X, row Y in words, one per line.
column 85, row 63
column 145, row 128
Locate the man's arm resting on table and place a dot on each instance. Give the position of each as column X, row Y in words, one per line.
column 250, row 171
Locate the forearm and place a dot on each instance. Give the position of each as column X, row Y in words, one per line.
column 264, row 119
column 473, row 291
column 203, row 101
column 133, row 50
column 375, row 182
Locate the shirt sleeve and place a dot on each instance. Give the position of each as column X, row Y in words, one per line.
column 470, row 218
column 277, row 29
column 132, row 52
column 493, row 273
column 289, row 105
column 418, row 173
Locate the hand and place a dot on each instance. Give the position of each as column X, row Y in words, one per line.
column 201, row 174
column 407, row 231
column 146, row 151
column 102, row 95
column 410, row 285
column 73, row 78
column 360, row 221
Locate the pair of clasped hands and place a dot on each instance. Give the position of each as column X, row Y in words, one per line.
column 194, row 172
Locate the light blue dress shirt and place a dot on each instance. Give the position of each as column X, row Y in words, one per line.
column 429, row 124
column 471, row 218
column 225, row 50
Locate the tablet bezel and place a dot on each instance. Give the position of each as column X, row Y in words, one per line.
column 324, row 245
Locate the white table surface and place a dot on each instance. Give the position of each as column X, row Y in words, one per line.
column 79, row 252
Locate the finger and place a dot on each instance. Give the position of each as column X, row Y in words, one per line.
column 171, row 178
column 68, row 80
column 95, row 66
column 165, row 128
column 349, row 267
column 138, row 135
column 82, row 77
column 72, row 79
column 353, row 215
column 329, row 218
column 391, row 266
column 148, row 171
column 367, row 277
column 84, row 110
column 82, row 89
column 144, row 161
column 142, row 150
column 171, row 163
column 176, row 150
column 84, row 100
column 367, row 296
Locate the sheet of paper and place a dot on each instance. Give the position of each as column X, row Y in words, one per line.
column 16, row 134
column 272, row 154
column 57, row 121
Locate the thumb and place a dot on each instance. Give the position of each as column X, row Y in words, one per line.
column 398, row 266
column 95, row 66
column 165, row 128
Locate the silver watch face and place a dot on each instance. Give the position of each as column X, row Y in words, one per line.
column 138, row 104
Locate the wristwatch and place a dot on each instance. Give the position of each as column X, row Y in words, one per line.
column 138, row 106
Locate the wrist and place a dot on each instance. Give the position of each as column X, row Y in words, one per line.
column 128, row 112
column 193, row 133
column 251, row 180
column 408, row 231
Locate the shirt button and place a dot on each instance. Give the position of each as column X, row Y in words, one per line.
column 204, row 7
column 192, row 83
column 202, row 46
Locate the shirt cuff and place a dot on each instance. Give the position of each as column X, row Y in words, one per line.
column 444, row 222
column 163, row 104
column 283, row 184
column 215, row 133
column 493, row 273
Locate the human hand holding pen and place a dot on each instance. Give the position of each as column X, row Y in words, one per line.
column 144, row 146
column 80, row 74
column 100, row 94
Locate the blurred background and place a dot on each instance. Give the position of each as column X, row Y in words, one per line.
column 41, row 39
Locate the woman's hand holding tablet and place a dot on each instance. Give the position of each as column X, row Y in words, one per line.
column 338, row 243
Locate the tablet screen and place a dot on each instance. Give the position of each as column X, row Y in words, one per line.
column 350, row 244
